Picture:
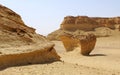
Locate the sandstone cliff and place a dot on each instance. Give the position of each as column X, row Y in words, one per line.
column 19, row 44
column 80, row 22
column 86, row 23
column 101, row 27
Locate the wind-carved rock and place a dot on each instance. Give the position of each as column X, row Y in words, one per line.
column 69, row 42
column 86, row 23
column 20, row 44
column 85, row 42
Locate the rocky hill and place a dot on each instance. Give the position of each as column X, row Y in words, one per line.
column 83, row 24
column 20, row 44
column 86, row 23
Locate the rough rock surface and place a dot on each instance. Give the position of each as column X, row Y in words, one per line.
column 86, row 42
column 80, row 22
column 86, row 23
column 19, row 44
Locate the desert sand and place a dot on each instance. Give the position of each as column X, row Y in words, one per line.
column 103, row 60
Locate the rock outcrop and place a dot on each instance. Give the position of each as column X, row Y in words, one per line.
column 85, row 42
column 100, row 27
column 71, row 23
column 20, row 44
column 86, row 23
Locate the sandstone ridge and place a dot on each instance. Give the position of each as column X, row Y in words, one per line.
column 80, row 25
column 86, row 23
column 20, row 44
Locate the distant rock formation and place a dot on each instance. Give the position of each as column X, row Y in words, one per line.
column 86, row 23
column 98, row 32
column 19, row 44
column 86, row 42
column 101, row 27
column 80, row 22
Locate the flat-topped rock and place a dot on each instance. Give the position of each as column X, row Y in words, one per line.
column 86, row 23
column 77, row 25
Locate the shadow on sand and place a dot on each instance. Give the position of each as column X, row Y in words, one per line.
column 5, row 67
column 92, row 55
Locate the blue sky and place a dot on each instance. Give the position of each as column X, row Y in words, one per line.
column 46, row 15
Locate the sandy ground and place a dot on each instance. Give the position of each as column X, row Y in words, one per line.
column 104, row 60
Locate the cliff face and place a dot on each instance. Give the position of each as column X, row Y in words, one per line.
column 19, row 44
column 81, row 25
column 85, row 23
column 81, row 22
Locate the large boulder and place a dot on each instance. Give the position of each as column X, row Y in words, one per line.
column 85, row 42
column 69, row 42
column 20, row 44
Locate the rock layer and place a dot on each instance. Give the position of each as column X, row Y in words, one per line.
column 86, row 23
column 20, row 44
column 99, row 26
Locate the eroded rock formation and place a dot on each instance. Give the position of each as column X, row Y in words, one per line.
column 85, row 42
column 69, row 41
column 101, row 27
column 19, row 44
column 86, row 23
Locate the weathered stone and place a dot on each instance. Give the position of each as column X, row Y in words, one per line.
column 20, row 44
column 88, row 23
column 80, row 22
column 69, row 42
column 86, row 42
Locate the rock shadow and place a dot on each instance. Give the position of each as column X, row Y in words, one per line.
column 92, row 55
column 28, row 64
